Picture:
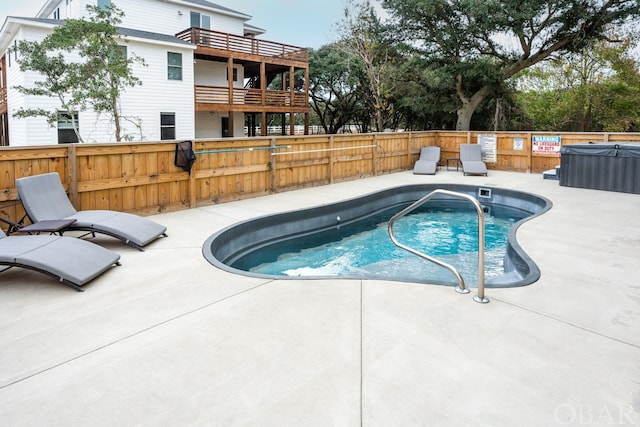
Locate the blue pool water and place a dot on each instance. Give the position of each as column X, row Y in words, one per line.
column 365, row 249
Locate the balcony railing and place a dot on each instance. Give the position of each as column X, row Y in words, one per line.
column 248, row 45
column 241, row 96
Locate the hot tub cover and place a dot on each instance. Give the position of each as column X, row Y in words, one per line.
column 608, row 149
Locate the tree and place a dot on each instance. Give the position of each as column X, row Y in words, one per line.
column 334, row 81
column 83, row 65
column 595, row 91
column 361, row 35
column 483, row 43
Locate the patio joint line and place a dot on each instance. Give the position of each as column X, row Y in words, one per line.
column 568, row 323
column 127, row 337
column 361, row 355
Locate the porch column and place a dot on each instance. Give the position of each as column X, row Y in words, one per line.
column 230, row 79
column 230, row 85
column 306, row 100
column 292, row 94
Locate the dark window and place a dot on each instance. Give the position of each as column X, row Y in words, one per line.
column 167, row 125
column 205, row 22
column 195, row 20
column 174, row 66
column 226, row 130
column 119, row 54
column 200, row 21
column 104, row 4
column 66, row 134
column 235, row 74
column 56, row 14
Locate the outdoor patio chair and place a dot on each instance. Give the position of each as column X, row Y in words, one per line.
column 73, row 262
column 43, row 198
column 428, row 161
column 471, row 159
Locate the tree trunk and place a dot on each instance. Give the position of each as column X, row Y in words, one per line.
column 469, row 105
column 464, row 117
column 116, row 121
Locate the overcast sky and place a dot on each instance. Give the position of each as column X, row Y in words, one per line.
column 304, row 23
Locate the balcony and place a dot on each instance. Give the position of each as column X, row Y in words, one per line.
column 217, row 98
column 246, row 47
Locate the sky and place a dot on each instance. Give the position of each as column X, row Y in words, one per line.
column 303, row 23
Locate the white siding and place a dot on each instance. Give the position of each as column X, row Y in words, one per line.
column 31, row 130
column 209, row 124
column 159, row 94
column 155, row 16
column 227, row 24
column 166, row 18
column 209, row 73
column 68, row 9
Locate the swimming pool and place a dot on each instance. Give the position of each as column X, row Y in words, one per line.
column 250, row 246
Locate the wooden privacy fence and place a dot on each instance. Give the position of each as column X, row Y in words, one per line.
column 142, row 178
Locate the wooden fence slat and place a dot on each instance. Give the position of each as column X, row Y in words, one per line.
column 141, row 177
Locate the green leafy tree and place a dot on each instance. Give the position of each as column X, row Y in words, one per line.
column 361, row 35
column 482, row 43
column 334, row 86
column 595, row 91
column 82, row 64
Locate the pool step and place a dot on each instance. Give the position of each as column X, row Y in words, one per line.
column 552, row 173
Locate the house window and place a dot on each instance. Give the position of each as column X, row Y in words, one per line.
column 200, row 21
column 56, row 14
column 119, row 54
column 104, row 4
column 66, row 134
column 167, row 125
column 174, row 66
column 235, row 74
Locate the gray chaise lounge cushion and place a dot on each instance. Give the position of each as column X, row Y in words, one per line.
column 72, row 261
column 428, row 161
column 471, row 159
column 44, row 198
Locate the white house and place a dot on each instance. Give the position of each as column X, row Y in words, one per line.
column 190, row 48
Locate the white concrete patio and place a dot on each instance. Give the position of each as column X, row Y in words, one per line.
column 168, row 340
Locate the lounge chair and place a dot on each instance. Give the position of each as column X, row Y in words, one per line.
column 44, row 198
column 428, row 161
column 73, row 262
column 471, row 159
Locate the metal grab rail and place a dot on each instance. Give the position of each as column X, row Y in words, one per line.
column 461, row 286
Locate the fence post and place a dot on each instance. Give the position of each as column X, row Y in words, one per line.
column 409, row 146
column 72, row 175
column 273, row 162
column 530, row 156
column 330, row 159
column 374, row 155
column 193, row 180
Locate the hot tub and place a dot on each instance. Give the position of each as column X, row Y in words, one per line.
column 601, row 166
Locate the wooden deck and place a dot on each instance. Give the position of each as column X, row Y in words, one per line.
column 247, row 48
column 218, row 98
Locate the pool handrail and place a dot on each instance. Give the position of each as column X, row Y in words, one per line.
column 461, row 288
